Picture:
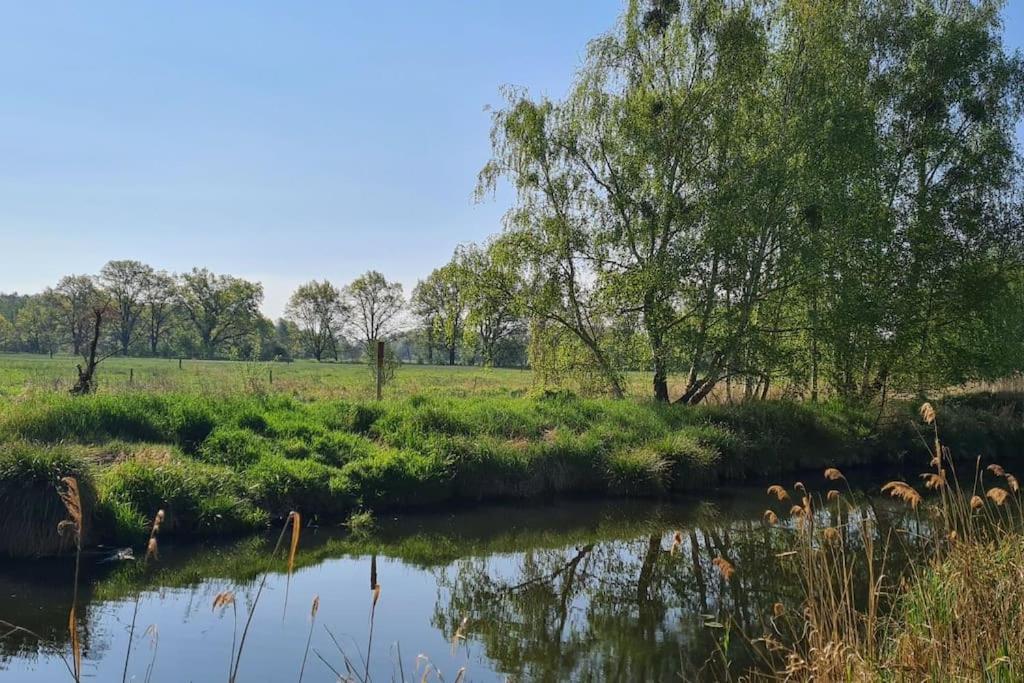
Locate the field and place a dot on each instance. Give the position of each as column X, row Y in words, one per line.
column 303, row 379
column 226, row 447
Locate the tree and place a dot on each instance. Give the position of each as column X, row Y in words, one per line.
column 375, row 304
column 128, row 283
column 320, row 313
column 37, row 325
column 159, row 300
column 101, row 309
column 439, row 300
column 73, row 298
column 7, row 333
column 492, row 312
column 222, row 309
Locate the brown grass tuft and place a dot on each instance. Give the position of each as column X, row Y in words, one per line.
column 997, row 495
column 777, row 491
column 832, row 495
column 903, row 491
column 832, row 474
column 771, row 518
column 934, row 480
column 725, row 568
column 927, row 413
column 1011, row 481
column 996, row 469
column 223, row 599
column 977, row 503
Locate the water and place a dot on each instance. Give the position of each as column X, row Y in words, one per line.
column 572, row 590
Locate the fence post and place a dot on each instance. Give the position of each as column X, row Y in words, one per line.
column 131, row 375
column 179, row 364
column 380, row 368
column 271, row 371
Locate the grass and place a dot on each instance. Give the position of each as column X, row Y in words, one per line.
column 236, row 462
column 222, row 450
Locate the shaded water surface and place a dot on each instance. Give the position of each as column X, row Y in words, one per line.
column 619, row 590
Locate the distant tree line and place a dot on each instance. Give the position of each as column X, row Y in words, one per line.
column 199, row 314
column 807, row 197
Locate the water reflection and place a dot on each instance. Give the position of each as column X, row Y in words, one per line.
column 584, row 591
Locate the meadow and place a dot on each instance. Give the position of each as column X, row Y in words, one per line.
column 225, row 448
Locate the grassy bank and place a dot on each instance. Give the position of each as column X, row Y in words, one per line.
column 225, row 464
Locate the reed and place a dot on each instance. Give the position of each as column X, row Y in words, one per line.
column 951, row 612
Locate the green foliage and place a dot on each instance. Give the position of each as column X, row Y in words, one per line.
column 197, row 498
column 29, row 490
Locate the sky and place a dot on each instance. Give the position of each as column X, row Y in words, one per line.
column 277, row 141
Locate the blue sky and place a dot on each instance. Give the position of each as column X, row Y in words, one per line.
column 280, row 141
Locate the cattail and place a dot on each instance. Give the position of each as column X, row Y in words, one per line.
column 996, row 470
column 771, row 518
column 777, row 491
column 832, row 495
column 997, row 495
column 223, row 599
column 977, row 503
column 927, row 413
column 832, row 474
column 903, row 491
column 724, row 567
column 934, row 480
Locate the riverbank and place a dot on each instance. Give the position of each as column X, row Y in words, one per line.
column 224, row 465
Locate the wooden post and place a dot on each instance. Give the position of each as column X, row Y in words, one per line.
column 271, row 371
column 380, row 368
column 131, row 375
column 179, row 364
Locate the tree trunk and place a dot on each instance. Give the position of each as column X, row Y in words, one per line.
column 451, row 355
column 86, row 382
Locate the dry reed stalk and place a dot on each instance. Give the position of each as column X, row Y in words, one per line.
column 292, row 519
column 314, row 608
column 151, row 554
column 72, row 500
column 725, row 568
column 903, row 491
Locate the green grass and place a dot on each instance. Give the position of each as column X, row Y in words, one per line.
column 233, row 459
